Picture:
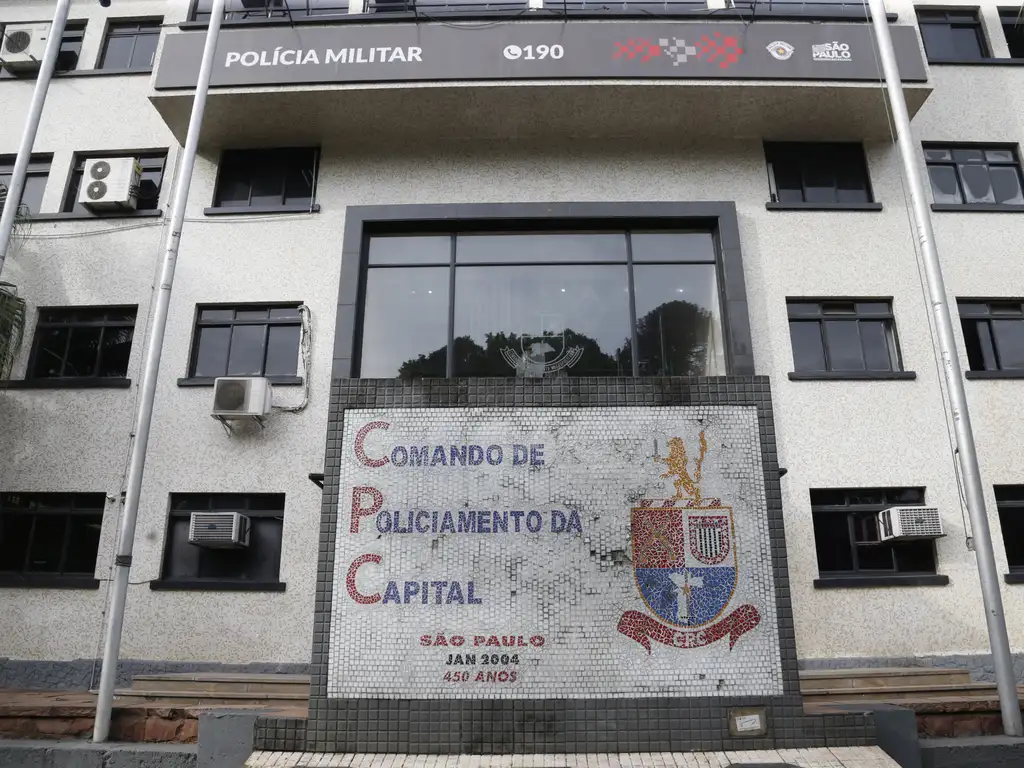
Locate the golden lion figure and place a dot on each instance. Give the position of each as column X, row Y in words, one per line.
column 676, row 461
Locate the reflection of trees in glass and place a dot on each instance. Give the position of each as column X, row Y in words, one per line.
column 673, row 339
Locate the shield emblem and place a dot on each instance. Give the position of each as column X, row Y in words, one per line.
column 540, row 350
column 684, row 560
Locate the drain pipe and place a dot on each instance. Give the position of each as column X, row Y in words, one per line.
column 151, row 367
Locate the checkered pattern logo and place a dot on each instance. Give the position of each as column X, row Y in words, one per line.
column 677, row 50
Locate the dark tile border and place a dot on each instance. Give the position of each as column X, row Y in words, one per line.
column 721, row 216
column 517, row 726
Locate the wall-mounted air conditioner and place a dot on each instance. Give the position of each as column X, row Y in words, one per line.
column 110, row 184
column 219, row 530
column 909, row 523
column 23, row 46
column 239, row 397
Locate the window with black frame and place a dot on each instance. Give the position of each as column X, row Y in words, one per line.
column 817, row 173
column 50, row 539
column 993, row 334
column 67, row 57
column 1010, row 501
column 843, row 337
column 1013, row 30
column 244, row 10
column 255, row 565
column 131, row 45
column 952, row 36
column 82, row 346
column 965, row 175
column 151, row 180
column 534, row 304
column 246, row 340
column 35, row 182
column 848, row 543
column 266, row 180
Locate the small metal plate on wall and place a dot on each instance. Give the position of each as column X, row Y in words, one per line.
column 748, row 721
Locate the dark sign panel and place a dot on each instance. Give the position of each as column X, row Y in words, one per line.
column 348, row 53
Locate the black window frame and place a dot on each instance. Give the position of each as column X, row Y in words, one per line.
column 79, row 382
column 959, row 18
column 262, row 158
column 796, row 159
column 812, row 310
column 39, row 166
column 1010, row 503
column 1011, row 20
column 153, row 161
column 242, row 503
column 67, row 505
column 985, row 148
column 976, row 312
column 822, row 502
column 67, row 58
column 191, row 380
column 134, row 28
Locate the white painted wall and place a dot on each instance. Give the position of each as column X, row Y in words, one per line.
column 831, row 434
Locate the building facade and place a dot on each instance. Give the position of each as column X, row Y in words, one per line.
column 420, row 225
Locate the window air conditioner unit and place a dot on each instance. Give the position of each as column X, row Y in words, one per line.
column 23, row 46
column 240, row 397
column 110, row 184
column 905, row 523
column 219, row 530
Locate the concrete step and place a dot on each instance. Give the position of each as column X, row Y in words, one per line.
column 817, row 679
column 222, row 682
column 200, row 698
column 973, row 752
column 898, row 693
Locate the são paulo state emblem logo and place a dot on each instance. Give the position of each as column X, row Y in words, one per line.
column 685, row 563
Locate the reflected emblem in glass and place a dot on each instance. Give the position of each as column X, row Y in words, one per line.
column 685, row 563
column 541, row 354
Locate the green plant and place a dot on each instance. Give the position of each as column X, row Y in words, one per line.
column 12, row 327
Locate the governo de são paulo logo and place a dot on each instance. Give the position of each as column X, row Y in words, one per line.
column 685, row 563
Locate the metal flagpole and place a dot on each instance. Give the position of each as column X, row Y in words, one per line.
column 989, row 577
column 28, row 138
column 144, row 416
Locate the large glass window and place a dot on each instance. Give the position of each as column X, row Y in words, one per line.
column 536, row 304
column 968, row 174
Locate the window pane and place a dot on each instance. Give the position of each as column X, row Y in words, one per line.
column 405, row 323
column 937, row 154
column 212, row 351
column 977, row 185
column 247, row 348
column 789, row 184
column 267, row 186
column 915, row 556
column 181, row 559
column 875, row 557
column 966, row 155
column 145, row 51
column 299, row 183
column 285, row 313
column 32, row 194
column 978, row 340
column 1009, row 338
column 938, row 42
column 47, row 543
column 851, row 177
column 678, row 323
column 1000, row 156
column 876, row 340
column 808, row 352
column 282, row 350
column 673, row 246
column 904, row 496
column 83, row 352
column 538, row 321
column 234, row 182
column 555, row 246
column 83, row 544
column 832, row 542
column 1006, row 184
column 967, row 42
column 819, row 179
column 15, row 531
column 217, row 314
column 118, row 54
column 843, row 343
column 1011, row 522
column 117, row 348
column 945, row 188
column 416, row 249
column 51, row 346
column 803, row 308
column 872, row 308
column 251, row 314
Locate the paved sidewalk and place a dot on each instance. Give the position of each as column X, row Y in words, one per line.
column 846, row 757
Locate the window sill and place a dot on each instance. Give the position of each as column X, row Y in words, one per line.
column 852, row 375
column 1010, row 374
column 209, row 585
column 991, row 62
column 976, row 208
column 106, row 72
column 47, row 581
column 207, row 381
column 258, row 210
column 823, row 206
column 903, row 580
column 75, row 216
column 82, row 383
column 1013, row 578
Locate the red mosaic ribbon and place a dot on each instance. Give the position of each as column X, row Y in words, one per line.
column 643, row 628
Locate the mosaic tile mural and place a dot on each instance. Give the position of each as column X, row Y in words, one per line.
column 541, row 553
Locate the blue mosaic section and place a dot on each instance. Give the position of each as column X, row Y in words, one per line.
column 704, row 591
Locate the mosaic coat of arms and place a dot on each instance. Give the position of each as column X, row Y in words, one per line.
column 686, row 564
